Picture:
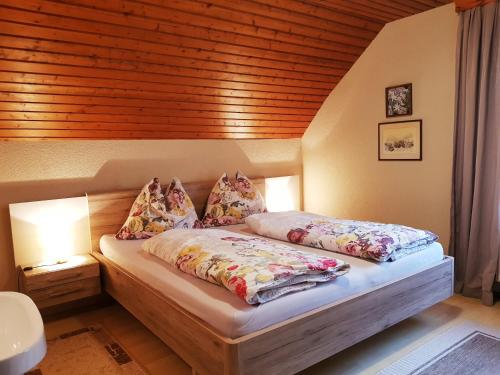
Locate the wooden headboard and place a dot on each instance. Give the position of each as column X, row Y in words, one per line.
column 108, row 211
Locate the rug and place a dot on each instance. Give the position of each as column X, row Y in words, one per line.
column 466, row 349
column 87, row 351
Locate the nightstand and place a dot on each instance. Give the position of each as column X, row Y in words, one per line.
column 54, row 285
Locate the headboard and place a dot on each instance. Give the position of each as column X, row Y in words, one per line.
column 108, row 211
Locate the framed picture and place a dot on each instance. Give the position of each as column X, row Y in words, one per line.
column 400, row 140
column 398, row 100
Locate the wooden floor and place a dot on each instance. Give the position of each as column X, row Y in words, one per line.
column 367, row 357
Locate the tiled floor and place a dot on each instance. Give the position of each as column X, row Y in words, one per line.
column 366, row 357
column 137, row 340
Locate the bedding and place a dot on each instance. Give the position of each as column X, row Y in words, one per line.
column 364, row 239
column 233, row 317
column 229, row 203
column 255, row 269
column 154, row 212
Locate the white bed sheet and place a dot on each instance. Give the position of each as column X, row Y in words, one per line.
column 230, row 315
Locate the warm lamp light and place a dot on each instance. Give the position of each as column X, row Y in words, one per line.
column 283, row 193
column 49, row 231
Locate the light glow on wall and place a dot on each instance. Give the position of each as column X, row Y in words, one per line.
column 283, row 193
column 49, row 231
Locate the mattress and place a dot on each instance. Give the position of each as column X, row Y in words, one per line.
column 231, row 316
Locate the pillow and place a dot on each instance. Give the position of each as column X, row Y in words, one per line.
column 230, row 203
column 180, row 206
column 154, row 212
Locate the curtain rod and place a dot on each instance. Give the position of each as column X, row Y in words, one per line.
column 463, row 5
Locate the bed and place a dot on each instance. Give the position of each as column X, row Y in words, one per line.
column 216, row 333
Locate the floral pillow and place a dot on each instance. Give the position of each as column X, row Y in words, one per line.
column 231, row 202
column 154, row 212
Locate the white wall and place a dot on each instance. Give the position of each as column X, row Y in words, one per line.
column 32, row 171
column 342, row 175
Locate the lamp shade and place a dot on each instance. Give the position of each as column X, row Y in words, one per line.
column 51, row 230
column 283, row 193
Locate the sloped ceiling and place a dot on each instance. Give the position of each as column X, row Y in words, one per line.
column 175, row 69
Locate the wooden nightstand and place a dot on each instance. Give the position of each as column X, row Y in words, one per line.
column 51, row 286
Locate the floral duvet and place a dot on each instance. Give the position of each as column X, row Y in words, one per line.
column 364, row 239
column 255, row 269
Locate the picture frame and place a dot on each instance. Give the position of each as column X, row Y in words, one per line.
column 398, row 100
column 400, row 140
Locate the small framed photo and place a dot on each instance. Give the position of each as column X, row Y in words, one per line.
column 398, row 100
column 400, row 140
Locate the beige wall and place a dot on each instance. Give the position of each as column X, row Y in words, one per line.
column 47, row 170
column 342, row 176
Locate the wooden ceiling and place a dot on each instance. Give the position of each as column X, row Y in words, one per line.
column 178, row 69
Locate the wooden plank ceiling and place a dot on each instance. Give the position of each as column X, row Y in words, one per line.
column 140, row 69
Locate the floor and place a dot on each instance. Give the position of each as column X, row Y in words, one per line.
column 367, row 357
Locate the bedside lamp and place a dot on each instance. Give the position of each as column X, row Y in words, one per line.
column 49, row 231
column 283, row 193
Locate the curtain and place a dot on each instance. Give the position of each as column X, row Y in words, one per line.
column 475, row 213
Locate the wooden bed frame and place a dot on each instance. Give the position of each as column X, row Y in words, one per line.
column 284, row 348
